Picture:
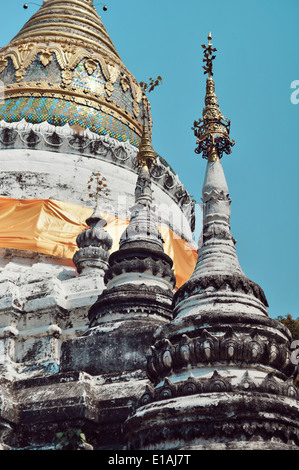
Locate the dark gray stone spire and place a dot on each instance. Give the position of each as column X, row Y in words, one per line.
column 140, row 274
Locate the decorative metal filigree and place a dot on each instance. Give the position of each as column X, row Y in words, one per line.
column 208, row 56
column 212, row 131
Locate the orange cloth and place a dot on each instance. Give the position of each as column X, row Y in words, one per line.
column 184, row 256
column 50, row 227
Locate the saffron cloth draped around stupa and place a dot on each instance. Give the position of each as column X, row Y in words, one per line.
column 50, row 227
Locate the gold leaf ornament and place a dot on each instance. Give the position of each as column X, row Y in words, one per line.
column 45, row 58
column 125, row 84
column 90, row 66
column 19, row 74
column 113, row 73
column 69, row 52
column 67, row 77
column 25, row 49
column 138, row 94
column 109, row 88
column 136, row 109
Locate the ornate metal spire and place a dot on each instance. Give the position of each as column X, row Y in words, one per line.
column 146, row 155
column 212, row 131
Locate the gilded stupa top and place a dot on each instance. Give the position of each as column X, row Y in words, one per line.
column 62, row 67
column 75, row 20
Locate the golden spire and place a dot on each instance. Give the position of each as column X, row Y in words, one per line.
column 212, row 131
column 146, row 154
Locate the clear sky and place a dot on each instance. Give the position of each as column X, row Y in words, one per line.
column 256, row 62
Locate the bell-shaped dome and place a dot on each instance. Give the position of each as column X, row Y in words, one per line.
column 62, row 67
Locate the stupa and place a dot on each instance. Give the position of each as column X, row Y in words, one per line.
column 107, row 341
column 70, row 127
column 221, row 370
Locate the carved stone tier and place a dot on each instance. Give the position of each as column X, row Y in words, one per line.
column 194, row 345
column 34, row 410
column 223, row 381
column 217, row 421
column 221, row 283
column 143, row 261
column 133, row 301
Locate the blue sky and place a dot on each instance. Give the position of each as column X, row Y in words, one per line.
column 256, row 62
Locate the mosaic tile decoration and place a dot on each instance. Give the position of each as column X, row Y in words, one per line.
column 59, row 112
column 37, row 71
column 95, row 83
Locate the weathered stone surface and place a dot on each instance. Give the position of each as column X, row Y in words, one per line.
column 37, row 408
column 217, row 420
column 111, row 347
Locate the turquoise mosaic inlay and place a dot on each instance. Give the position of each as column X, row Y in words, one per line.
column 59, row 112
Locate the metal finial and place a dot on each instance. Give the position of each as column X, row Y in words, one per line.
column 212, row 131
column 208, row 56
column 146, row 155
